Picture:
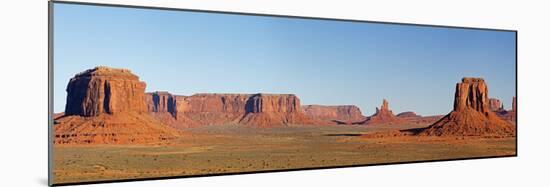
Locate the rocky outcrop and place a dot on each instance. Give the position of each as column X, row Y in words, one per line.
column 104, row 90
column 261, row 110
column 159, row 102
column 341, row 114
column 413, row 118
column 495, row 105
column 471, row 115
column 509, row 115
column 408, row 114
column 107, row 106
column 274, row 109
column 383, row 115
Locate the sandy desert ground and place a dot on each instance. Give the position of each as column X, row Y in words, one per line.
column 232, row 148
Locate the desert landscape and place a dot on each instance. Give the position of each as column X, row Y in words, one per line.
column 112, row 129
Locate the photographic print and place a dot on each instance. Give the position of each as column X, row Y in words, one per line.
column 145, row 93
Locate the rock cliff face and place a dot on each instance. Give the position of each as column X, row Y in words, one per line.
column 161, row 102
column 274, row 109
column 107, row 106
column 383, row 115
column 104, row 90
column 215, row 109
column 341, row 114
column 495, row 105
column 471, row 115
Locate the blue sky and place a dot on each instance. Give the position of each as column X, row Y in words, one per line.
column 322, row 62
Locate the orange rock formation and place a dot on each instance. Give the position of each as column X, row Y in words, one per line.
column 341, row 114
column 383, row 115
column 107, row 106
column 262, row 110
column 471, row 115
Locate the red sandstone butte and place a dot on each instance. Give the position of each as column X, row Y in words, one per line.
column 107, row 106
column 340, row 114
column 471, row 115
column 261, row 110
column 104, row 90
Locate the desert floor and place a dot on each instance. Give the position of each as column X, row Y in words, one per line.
column 232, row 148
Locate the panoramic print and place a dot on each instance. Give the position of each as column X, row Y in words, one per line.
column 147, row 93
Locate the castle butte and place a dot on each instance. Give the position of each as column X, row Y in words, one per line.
column 258, row 110
column 471, row 115
column 107, row 106
column 339, row 114
column 383, row 115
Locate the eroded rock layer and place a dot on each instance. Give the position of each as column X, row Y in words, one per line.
column 408, row 114
column 107, row 106
column 383, row 115
column 471, row 115
column 217, row 109
column 341, row 114
column 104, row 90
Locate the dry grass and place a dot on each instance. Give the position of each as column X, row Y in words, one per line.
column 229, row 149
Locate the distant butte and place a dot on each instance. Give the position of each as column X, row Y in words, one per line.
column 495, row 105
column 339, row 114
column 383, row 115
column 408, row 114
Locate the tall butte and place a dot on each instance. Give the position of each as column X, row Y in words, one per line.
column 107, row 106
column 471, row 115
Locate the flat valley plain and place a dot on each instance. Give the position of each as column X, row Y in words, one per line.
column 224, row 149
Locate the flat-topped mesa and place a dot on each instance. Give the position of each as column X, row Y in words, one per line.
column 104, row 90
column 339, row 114
column 267, row 110
column 227, row 103
column 471, row 115
column 408, row 114
column 254, row 109
column 278, row 103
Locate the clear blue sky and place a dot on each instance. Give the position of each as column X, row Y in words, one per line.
column 322, row 62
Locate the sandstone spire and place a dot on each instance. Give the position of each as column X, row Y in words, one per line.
column 383, row 115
